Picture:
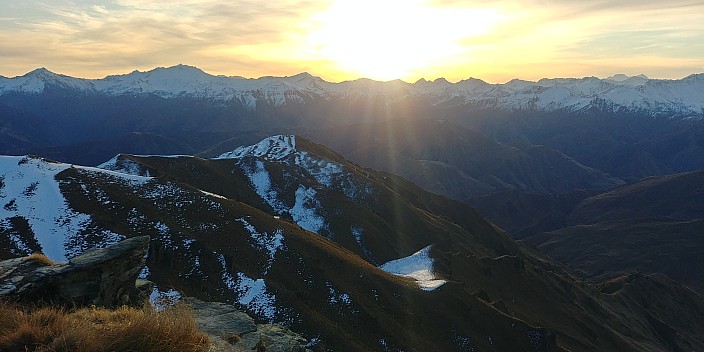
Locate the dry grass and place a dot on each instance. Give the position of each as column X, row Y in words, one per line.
column 98, row 329
column 40, row 258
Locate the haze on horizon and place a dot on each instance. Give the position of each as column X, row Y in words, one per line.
column 495, row 40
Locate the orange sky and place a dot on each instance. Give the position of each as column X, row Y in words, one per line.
column 339, row 40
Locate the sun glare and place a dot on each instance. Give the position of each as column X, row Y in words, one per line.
column 394, row 39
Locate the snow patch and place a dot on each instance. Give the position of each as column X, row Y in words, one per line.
column 418, row 266
column 336, row 298
column 251, row 293
column 77, row 243
column 125, row 166
column 304, row 211
column 31, row 192
column 254, row 295
column 213, row 195
column 227, row 278
column 328, row 173
column 259, row 177
column 324, row 171
column 272, row 243
column 20, row 247
column 162, row 300
column 357, row 233
column 144, row 273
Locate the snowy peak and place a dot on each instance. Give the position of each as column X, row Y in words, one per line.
column 625, row 80
column 41, row 72
column 694, row 77
column 620, row 77
column 38, row 80
column 616, row 93
column 271, row 148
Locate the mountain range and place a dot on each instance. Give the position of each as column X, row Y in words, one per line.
column 352, row 258
column 599, row 142
column 618, row 93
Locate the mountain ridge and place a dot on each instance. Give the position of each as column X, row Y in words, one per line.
column 656, row 97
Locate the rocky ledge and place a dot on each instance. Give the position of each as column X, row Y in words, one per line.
column 102, row 277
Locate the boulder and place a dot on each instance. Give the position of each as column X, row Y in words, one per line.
column 102, row 277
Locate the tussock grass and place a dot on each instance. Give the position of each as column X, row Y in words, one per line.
column 40, row 258
column 51, row 329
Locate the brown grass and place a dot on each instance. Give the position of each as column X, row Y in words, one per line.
column 40, row 258
column 98, row 329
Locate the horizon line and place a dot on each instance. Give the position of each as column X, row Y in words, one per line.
column 422, row 79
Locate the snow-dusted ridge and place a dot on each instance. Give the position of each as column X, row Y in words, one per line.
column 306, row 209
column 681, row 97
column 271, row 148
column 298, row 201
column 418, row 266
column 29, row 190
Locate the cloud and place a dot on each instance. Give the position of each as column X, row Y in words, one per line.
column 538, row 38
column 134, row 34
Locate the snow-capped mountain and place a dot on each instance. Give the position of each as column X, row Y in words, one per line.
column 681, row 98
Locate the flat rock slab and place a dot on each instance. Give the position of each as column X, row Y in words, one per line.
column 272, row 338
column 232, row 330
column 220, row 319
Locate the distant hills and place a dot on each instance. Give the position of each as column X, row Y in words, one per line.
column 655, row 225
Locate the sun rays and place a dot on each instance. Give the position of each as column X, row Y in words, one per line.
column 393, row 39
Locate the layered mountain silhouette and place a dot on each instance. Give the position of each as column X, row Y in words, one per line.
column 295, row 234
column 654, row 225
column 625, row 128
column 459, row 163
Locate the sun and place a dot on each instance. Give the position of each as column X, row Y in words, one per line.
column 393, row 39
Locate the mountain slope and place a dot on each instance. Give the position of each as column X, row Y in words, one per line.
column 522, row 214
column 629, row 146
column 234, row 229
column 654, row 225
column 214, row 247
column 460, row 163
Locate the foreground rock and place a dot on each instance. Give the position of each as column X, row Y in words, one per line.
column 102, row 277
column 232, row 330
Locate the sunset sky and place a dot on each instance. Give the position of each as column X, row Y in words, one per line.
column 340, row 40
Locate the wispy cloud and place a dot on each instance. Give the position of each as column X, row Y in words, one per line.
column 535, row 38
column 125, row 34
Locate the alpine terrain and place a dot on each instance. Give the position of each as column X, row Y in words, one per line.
column 351, row 258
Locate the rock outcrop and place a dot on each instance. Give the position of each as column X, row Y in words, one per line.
column 107, row 277
column 102, row 277
column 232, row 330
